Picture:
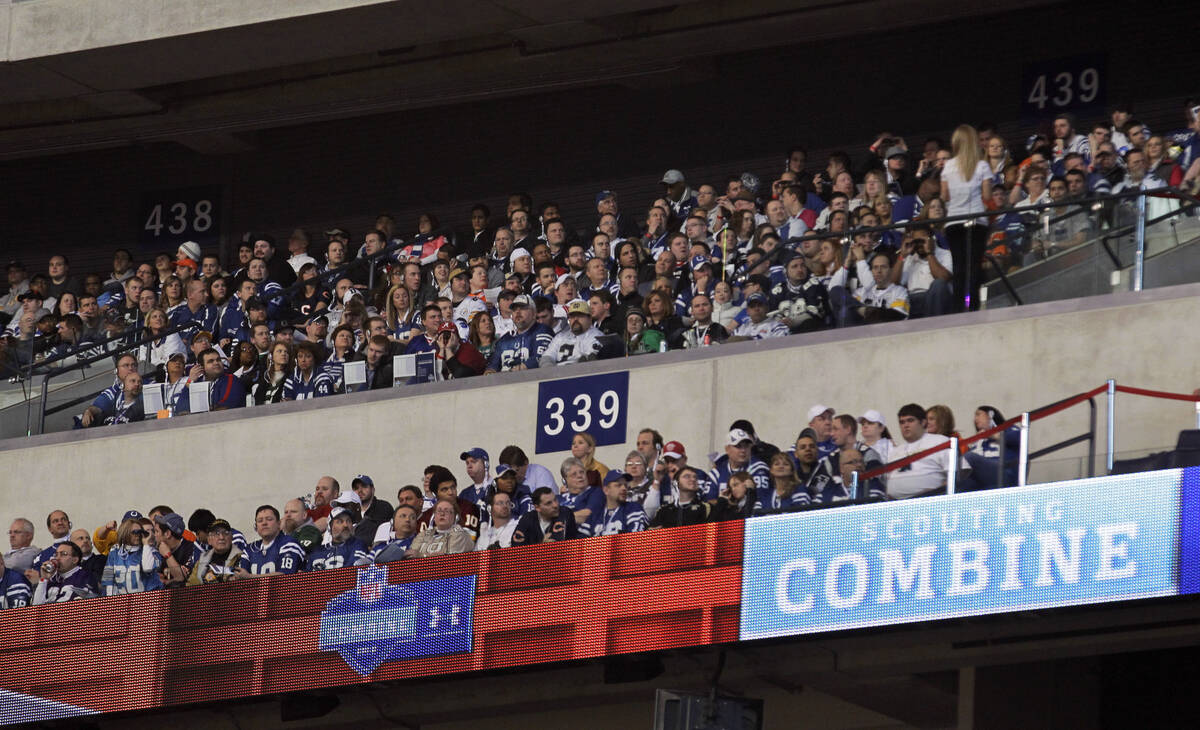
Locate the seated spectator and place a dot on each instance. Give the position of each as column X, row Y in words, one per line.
column 23, row 552
column 531, row 476
column 579, row 342
column 806, row 456
column 618, row 515
column 703, row 331
column 939, row 419
column 799, row 300
column 14, row 589
column 638, row 339
column 59, row 525
column 298, row 526
column 176, row 555
column 497, row 532
column 522, row 348
column 403, row 529
column 737, row 457
column 826, row 485
column 456, row 357
column 786, row 492
column 344, row 549
column 273, row 552
column 759, row 325
column 577, row 494
column 925, row 476
column 546, row 523
column 91, row 561
column 226, row 391
column 1068, row 226
column 116, row 405
column 509, row 484
column 880, row 300
column 61, row 578
column 984, row 455
column 875, row 433
column 583, row 447
column 443, row 485
column 926, row 271
column 738, row 501
column 220, row 563
column 689, row 508
column 820, row 420
column 326, row 490
column 444, row 536
column 643, row 489
column 375, row 512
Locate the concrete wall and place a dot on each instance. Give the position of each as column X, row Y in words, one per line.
column 1013, row 359
column 46, row 27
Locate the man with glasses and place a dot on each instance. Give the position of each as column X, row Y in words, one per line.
column 60, row 578
column 219, row 563
column 20, row 538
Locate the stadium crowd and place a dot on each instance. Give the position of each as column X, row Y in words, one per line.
column 514, row 502
column 698, row 266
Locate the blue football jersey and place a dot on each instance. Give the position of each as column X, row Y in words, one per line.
column 720, row 473
column 124, row 574
column 591, row 498
column 627, row 517
column 523, row 347
column 336, row 556
column 283, row 555
column 14, row 590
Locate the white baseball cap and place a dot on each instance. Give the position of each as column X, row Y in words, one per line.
column 818, row 410
column 873, row 416
column 348, row 497
column 737, row 436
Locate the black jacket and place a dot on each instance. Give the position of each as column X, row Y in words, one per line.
column 529, row 528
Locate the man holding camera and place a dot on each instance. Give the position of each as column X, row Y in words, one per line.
column 60, row 578
column 926, row 270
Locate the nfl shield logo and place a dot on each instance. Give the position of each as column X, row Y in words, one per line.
column 370, row 584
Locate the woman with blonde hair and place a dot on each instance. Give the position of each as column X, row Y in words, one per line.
column 583, row 447
column 966, row 183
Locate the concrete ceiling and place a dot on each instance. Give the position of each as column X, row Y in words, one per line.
column 203, row 89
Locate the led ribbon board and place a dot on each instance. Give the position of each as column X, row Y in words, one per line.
column 1061, row 544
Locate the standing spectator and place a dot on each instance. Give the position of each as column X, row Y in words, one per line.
column 60, row 578
column 14, row 589
column 273, row 552
column 925, row 476
column 131, row 563
column 18, row 284
column 546, row 523
column 23, row 552
column 444, row 536
column 618, row 515
column 966, row 183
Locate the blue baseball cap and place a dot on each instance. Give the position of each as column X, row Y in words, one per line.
column 132, row 515
column 604, row 194
column 757, row 297
column 616, row 476
column 173, row 522
column 364, row 479
column 475, row 453
column 503, row 469
column 698, row 261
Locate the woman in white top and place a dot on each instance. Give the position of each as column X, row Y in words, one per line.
column 966, row 183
